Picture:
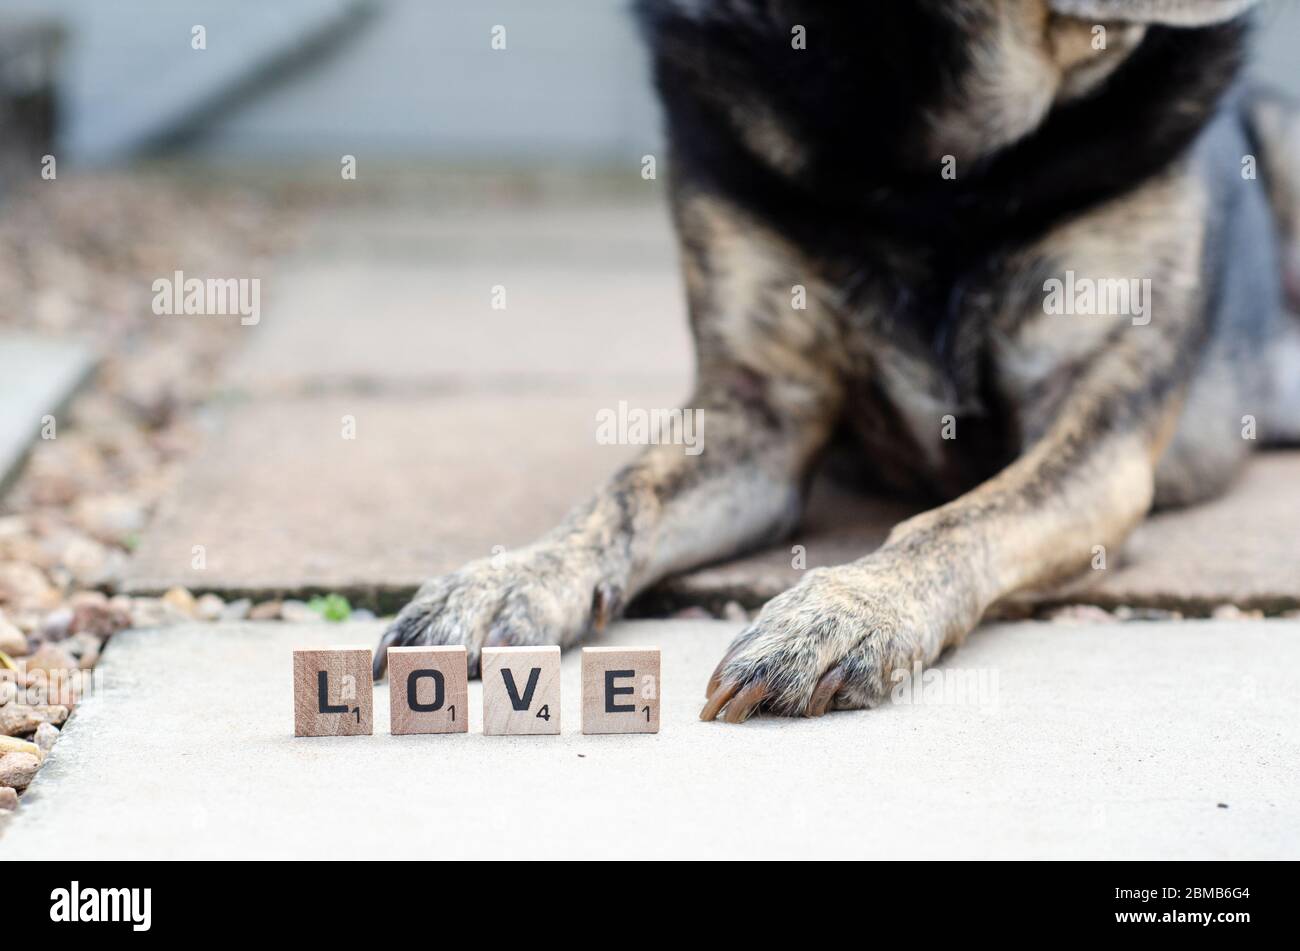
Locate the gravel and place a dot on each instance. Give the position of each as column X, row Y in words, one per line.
column 20, row 719
column 266, row 611
column 81, row 259
column 209, row 608
column 11, row 744
column 17, row 770
column 45, row 736
column 12, row 641
column 297, row 612
column 236, row 610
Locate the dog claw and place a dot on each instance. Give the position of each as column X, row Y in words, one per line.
column 717, row 700
column 740, row 704
column 744, row 704
column 824, row 693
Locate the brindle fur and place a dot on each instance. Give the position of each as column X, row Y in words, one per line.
column 821, row 167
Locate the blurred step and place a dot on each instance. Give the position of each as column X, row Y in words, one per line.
column 38, row 376
column 280, row 502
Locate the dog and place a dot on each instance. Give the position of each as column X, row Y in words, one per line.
column 1044, row 249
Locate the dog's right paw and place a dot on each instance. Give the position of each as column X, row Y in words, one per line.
column 538, row 595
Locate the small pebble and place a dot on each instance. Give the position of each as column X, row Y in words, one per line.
column 85, row 647
column 181, row 600
column 154, row 612
column 8, row 799
column 1230, row 612
column 1082, row 614
column 92, row 613
column 21, row 719
column 1147, row 614
column 56, row 625
column 362, row 614
column 236, row 610
column 12, row 640
column 209, row 607
column 52, row 657
column 296, row 612
column 18, row 769
column 45, row 736
column 12, row 744
column 24, row 587
column 89, row 562
column 266, row 611
column 110, row 517
column 29, row 622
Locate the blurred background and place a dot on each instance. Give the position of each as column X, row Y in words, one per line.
column 412, row 79
column 497, row 270
column 436, row 335
column 298, row 78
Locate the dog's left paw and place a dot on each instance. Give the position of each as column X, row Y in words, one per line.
column 831, row 642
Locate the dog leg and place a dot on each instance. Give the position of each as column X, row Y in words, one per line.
column 767, row 397
column 837, row 639
column 665, row 512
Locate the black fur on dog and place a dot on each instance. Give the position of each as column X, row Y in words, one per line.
column 919, row 175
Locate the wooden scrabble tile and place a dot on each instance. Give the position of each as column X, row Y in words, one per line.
column 333, row 694
column 428, row 689
column 521, row 690
column 620, row 690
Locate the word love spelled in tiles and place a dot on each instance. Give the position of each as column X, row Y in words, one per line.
column 333, row 691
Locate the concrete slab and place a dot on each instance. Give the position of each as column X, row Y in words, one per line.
column 1114, row 741
column 371, row 325
column 1240, row 549
column 408, row 300
column 1243, row 549
column 281, row 502
column 470, row 218
column 432, row 482
column 388, row 313
column 38, row 375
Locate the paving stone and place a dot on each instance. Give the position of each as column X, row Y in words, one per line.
column 839, row 526
column 37, row 377
column 1110, row 741
column 1240, row 549
column 431, row 483
column 478, row 424
column 593, row 230
column 402, row 326
column 281, row 503
column 590, row 295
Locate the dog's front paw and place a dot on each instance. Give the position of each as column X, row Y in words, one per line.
column 832, row 641
column 538, row 595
